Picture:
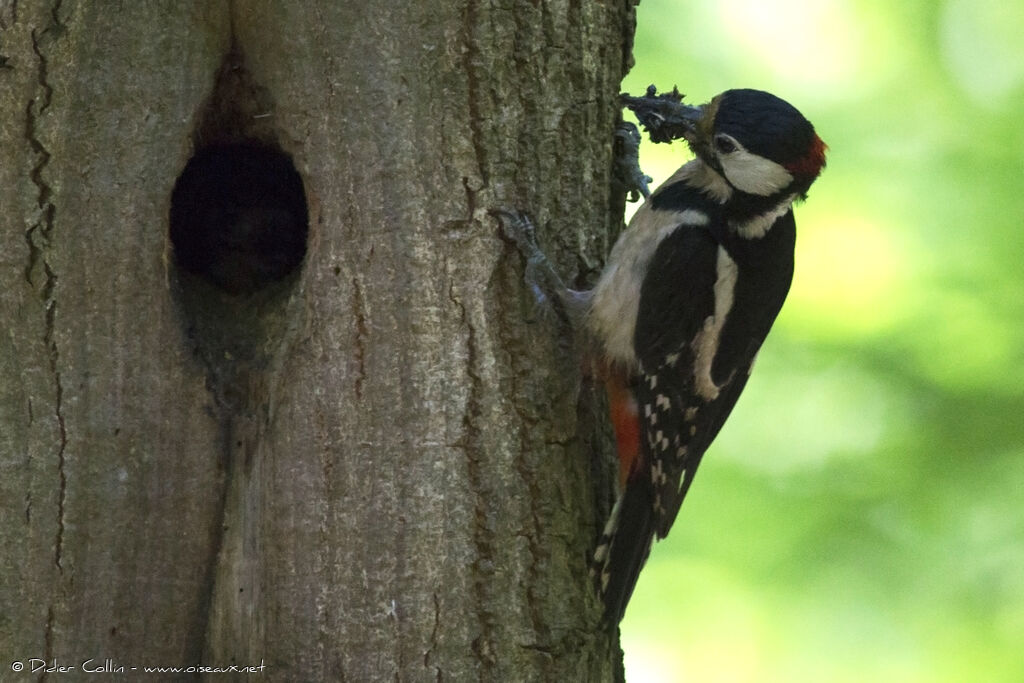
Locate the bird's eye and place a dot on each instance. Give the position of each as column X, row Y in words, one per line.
column 725, row 144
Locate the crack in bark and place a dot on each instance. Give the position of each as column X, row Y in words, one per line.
column 532, row 536
column 28, row 456
column 201, row 629
column 534, row 531
column 483, row 535
column 359, row 312
column 48, row 641
column 471, row 59
column 33, row 110
column 433, row 638
column 42, row 229
column 51, row 345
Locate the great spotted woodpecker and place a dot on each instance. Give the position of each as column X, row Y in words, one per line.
column 686, row 299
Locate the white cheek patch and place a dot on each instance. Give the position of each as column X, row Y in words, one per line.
column 754, row 174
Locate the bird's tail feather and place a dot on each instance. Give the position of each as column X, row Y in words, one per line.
column 624, row 547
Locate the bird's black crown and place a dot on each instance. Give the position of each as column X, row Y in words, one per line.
column 765, row 124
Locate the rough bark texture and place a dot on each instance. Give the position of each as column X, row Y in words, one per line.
column 378, row 470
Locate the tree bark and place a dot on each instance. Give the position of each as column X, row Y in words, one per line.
column 379, row 468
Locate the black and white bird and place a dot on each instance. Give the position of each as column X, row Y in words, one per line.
column 687, row 297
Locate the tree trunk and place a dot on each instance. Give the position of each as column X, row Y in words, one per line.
column 375, row 468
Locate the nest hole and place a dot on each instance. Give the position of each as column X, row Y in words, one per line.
column 239, row 217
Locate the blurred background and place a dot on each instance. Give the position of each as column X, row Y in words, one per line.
column 861, row 516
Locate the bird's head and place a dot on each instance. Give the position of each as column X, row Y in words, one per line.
column 760, row 144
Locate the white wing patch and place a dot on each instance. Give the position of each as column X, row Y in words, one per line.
column 705, row 344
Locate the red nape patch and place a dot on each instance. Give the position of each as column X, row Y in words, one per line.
column 626, row 420
column 809, row 165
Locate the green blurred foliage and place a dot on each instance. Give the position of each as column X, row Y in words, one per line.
column 861, row 516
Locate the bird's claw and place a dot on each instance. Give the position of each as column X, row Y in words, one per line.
column 517, row 227
column 627, row 162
